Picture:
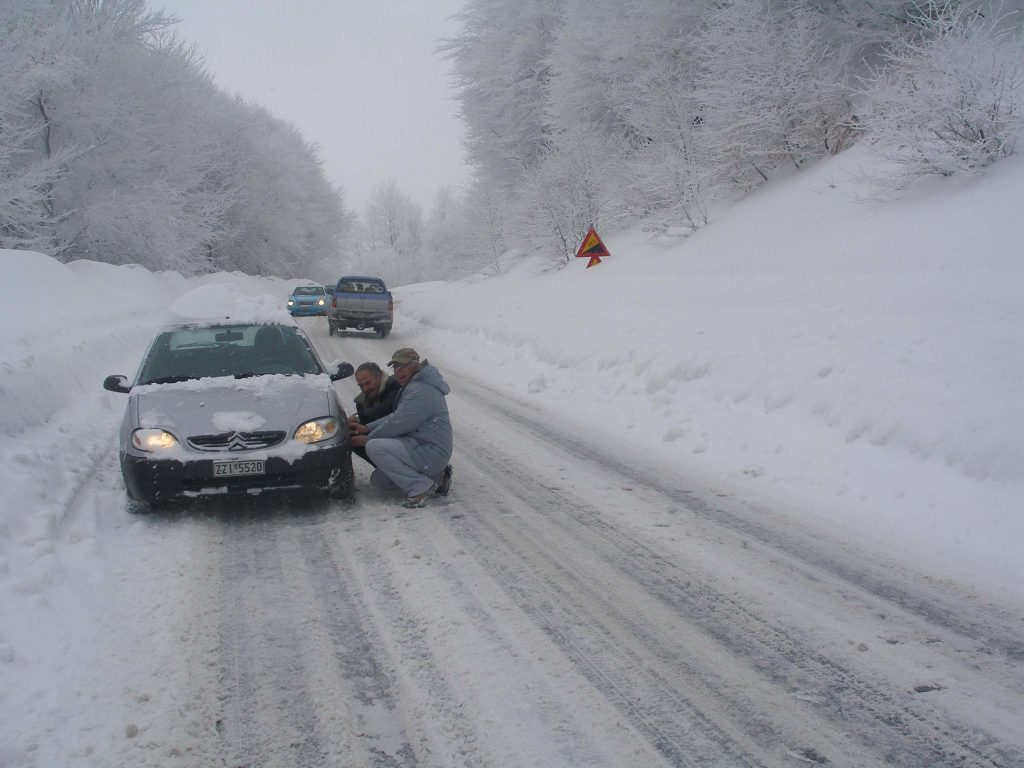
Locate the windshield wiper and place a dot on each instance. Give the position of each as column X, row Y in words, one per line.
column 169, row 379
column 250, row 374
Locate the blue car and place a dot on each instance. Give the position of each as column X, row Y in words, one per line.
column 308, row 300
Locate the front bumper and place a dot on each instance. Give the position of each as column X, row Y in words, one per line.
column 155, row 481
column 355, row 320
column 306, row 310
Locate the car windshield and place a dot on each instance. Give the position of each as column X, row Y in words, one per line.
column 308, row 290
column 227, row 350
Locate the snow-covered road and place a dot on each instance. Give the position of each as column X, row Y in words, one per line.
column 566, row 605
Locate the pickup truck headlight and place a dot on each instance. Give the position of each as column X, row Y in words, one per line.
column 290, row 302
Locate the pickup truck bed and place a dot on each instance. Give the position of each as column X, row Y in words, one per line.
column 361, row 302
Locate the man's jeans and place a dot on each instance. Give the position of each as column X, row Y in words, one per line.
column 395, row 467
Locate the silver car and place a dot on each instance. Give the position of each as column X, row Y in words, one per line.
column 220, row 407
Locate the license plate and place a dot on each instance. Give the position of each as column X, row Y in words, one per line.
column 235, row 468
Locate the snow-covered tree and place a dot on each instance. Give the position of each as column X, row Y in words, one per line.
column 441, row 239
column 773, row 90
column 34, row 58
column 577, row 184
column 626, row 70
column 482, row 224
column 691, row 95
column 116, row 146
column 393, row 219
column 668, row 184
column 500, row 64
column 605, row 49
column 288, row 217
column 150, row 183
column 394, row 223
column 951, row 98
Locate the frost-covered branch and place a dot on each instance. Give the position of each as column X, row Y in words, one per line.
column 949, row 99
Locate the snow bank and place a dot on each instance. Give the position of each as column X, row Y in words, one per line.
column 860, row 361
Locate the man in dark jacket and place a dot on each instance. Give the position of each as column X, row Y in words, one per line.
column 376, row 399
column 411, row 447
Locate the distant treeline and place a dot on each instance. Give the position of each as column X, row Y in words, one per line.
column 585, row 112
column 116, row 146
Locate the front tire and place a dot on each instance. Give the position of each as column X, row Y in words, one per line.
column 343, row 487
column 138, row 506
column 383, row 331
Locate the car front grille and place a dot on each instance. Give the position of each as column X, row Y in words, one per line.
column 236, row 441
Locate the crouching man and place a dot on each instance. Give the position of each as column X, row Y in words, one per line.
column 411, row 446
column 378, row 393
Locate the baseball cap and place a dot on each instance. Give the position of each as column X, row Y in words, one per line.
column 404, row 356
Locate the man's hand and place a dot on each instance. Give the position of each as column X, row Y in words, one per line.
column 353, row 419
column 356, row 428
column 359, row 441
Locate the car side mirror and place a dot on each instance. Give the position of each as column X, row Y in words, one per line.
column 344, row 371
column 117, row 384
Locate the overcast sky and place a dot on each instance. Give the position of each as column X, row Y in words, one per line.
column 361, row 79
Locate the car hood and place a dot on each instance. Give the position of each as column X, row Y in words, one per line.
column 216, row 406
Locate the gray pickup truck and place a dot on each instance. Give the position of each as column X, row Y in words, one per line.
column 361, row 302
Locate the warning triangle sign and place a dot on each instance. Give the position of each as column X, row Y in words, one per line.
column 592, row 248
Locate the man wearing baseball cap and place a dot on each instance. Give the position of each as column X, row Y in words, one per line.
column 412, row 445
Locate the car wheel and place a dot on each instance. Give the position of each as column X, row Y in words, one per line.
column 383, row 331
column 330, row 328
column 137, row 507
column 343, row 487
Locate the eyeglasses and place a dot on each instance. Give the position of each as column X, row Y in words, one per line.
column 396, row 366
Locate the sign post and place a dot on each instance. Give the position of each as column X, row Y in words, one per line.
column 592, row 248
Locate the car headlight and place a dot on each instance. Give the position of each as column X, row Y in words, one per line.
column 321, row 302
column 150, row 440
column 290, row 302
column 317, row 430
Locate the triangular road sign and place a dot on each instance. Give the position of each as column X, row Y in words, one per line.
column 592, row 248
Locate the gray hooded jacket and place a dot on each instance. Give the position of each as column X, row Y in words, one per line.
column 420, row 420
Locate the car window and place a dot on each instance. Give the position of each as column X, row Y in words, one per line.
column 192, row 338
column 308, row 290
column 238, row 350
column 355, row 286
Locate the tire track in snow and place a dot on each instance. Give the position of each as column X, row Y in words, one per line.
column 350, row 652
column 848, row 706
column 267, row 716
column 474, row 656
column 431, row 711
column 674, row 704
column 996, row 628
